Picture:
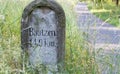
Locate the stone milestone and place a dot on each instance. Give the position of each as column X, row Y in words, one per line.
column 43, row 33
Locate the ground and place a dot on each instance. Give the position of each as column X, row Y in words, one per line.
column 100, row 34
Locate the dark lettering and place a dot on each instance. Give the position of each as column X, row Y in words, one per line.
column 31, row 32
column 40, row 42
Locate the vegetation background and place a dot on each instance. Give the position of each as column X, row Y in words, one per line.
column 80, row 58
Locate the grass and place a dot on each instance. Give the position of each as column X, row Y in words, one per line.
column 79, row 59
column 112, row 14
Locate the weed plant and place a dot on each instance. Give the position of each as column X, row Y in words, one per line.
column 78, row 59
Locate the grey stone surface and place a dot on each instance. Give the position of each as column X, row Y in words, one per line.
column 43, row 34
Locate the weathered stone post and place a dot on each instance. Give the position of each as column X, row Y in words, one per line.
column 43, row 34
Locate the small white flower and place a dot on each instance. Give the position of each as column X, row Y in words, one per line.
column 2, row 17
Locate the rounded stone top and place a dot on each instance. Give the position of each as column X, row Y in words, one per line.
column 53, row 5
